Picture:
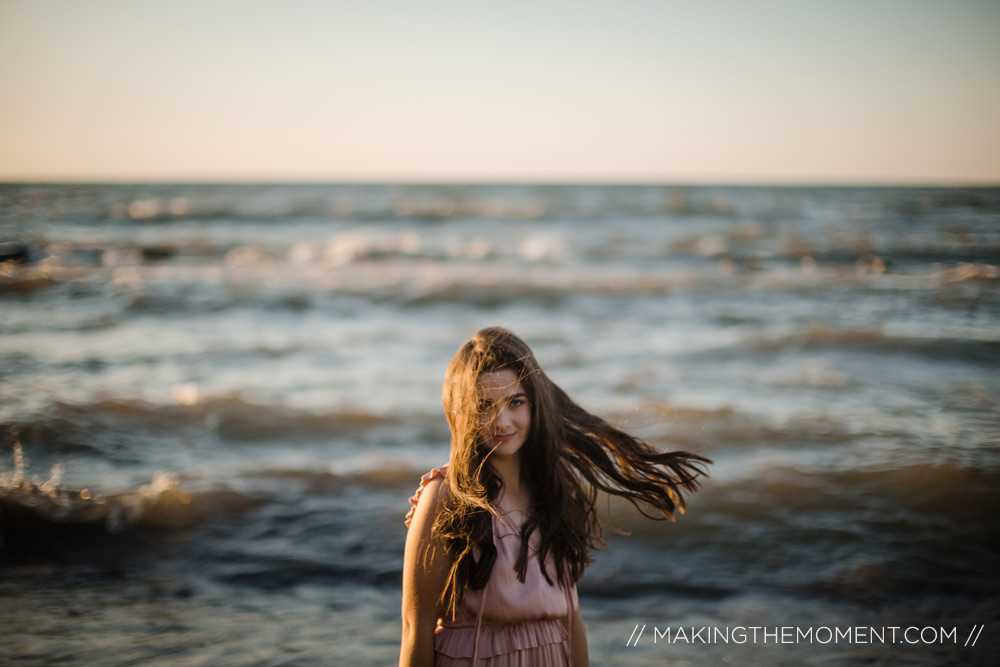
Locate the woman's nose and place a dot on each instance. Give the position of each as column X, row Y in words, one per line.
column 502, row 418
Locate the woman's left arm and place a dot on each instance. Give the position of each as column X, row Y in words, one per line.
column 425, row 573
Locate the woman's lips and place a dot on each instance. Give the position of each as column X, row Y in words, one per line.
column 503, row 438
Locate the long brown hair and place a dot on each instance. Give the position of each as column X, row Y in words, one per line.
column 569, row 455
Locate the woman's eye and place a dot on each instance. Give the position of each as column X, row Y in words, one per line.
column 517, row 402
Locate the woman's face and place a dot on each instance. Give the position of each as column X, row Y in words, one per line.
column 504, row 412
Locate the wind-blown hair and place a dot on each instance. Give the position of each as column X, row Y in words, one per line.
column 569, row 455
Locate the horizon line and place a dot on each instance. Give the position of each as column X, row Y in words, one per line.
column 638, row 182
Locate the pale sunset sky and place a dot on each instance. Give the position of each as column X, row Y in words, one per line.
column 877, row 92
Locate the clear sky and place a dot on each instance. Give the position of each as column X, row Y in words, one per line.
column 739, row 91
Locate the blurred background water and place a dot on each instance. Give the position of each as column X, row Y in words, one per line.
column 216, row 400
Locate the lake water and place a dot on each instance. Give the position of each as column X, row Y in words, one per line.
column 215, row 401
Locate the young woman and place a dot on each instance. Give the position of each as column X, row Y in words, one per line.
column 499, row 537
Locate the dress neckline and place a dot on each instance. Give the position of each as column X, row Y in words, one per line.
column 505, row 518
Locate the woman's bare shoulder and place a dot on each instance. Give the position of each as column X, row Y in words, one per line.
column 429, row 497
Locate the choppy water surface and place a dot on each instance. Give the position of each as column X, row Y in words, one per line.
column 217, row 399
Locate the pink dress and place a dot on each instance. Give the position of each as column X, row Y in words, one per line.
column 508, row 623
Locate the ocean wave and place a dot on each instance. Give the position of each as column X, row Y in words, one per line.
column 27, row 280
column 284, row 573
column 383, row 475
column 91, row 427
column 412, row 282
column 874, row 339
column 400, row 266
column 18, row 363
column 237, row 418
column 705, row 429
column 922, row 503
column 31, row 509
column 863, row 535
column 423, row 203
column 964, row 496
column 864, row 259
column 415, row 206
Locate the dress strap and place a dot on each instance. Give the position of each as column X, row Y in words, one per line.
column 479, row 624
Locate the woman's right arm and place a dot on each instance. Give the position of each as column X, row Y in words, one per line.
column 425, row 571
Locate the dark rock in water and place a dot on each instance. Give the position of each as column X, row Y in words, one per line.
column 16, row 251
column 159, row 252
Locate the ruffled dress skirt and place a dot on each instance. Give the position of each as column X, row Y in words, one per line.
column 540, row 643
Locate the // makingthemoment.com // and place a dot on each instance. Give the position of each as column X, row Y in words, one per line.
column 789, row 634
